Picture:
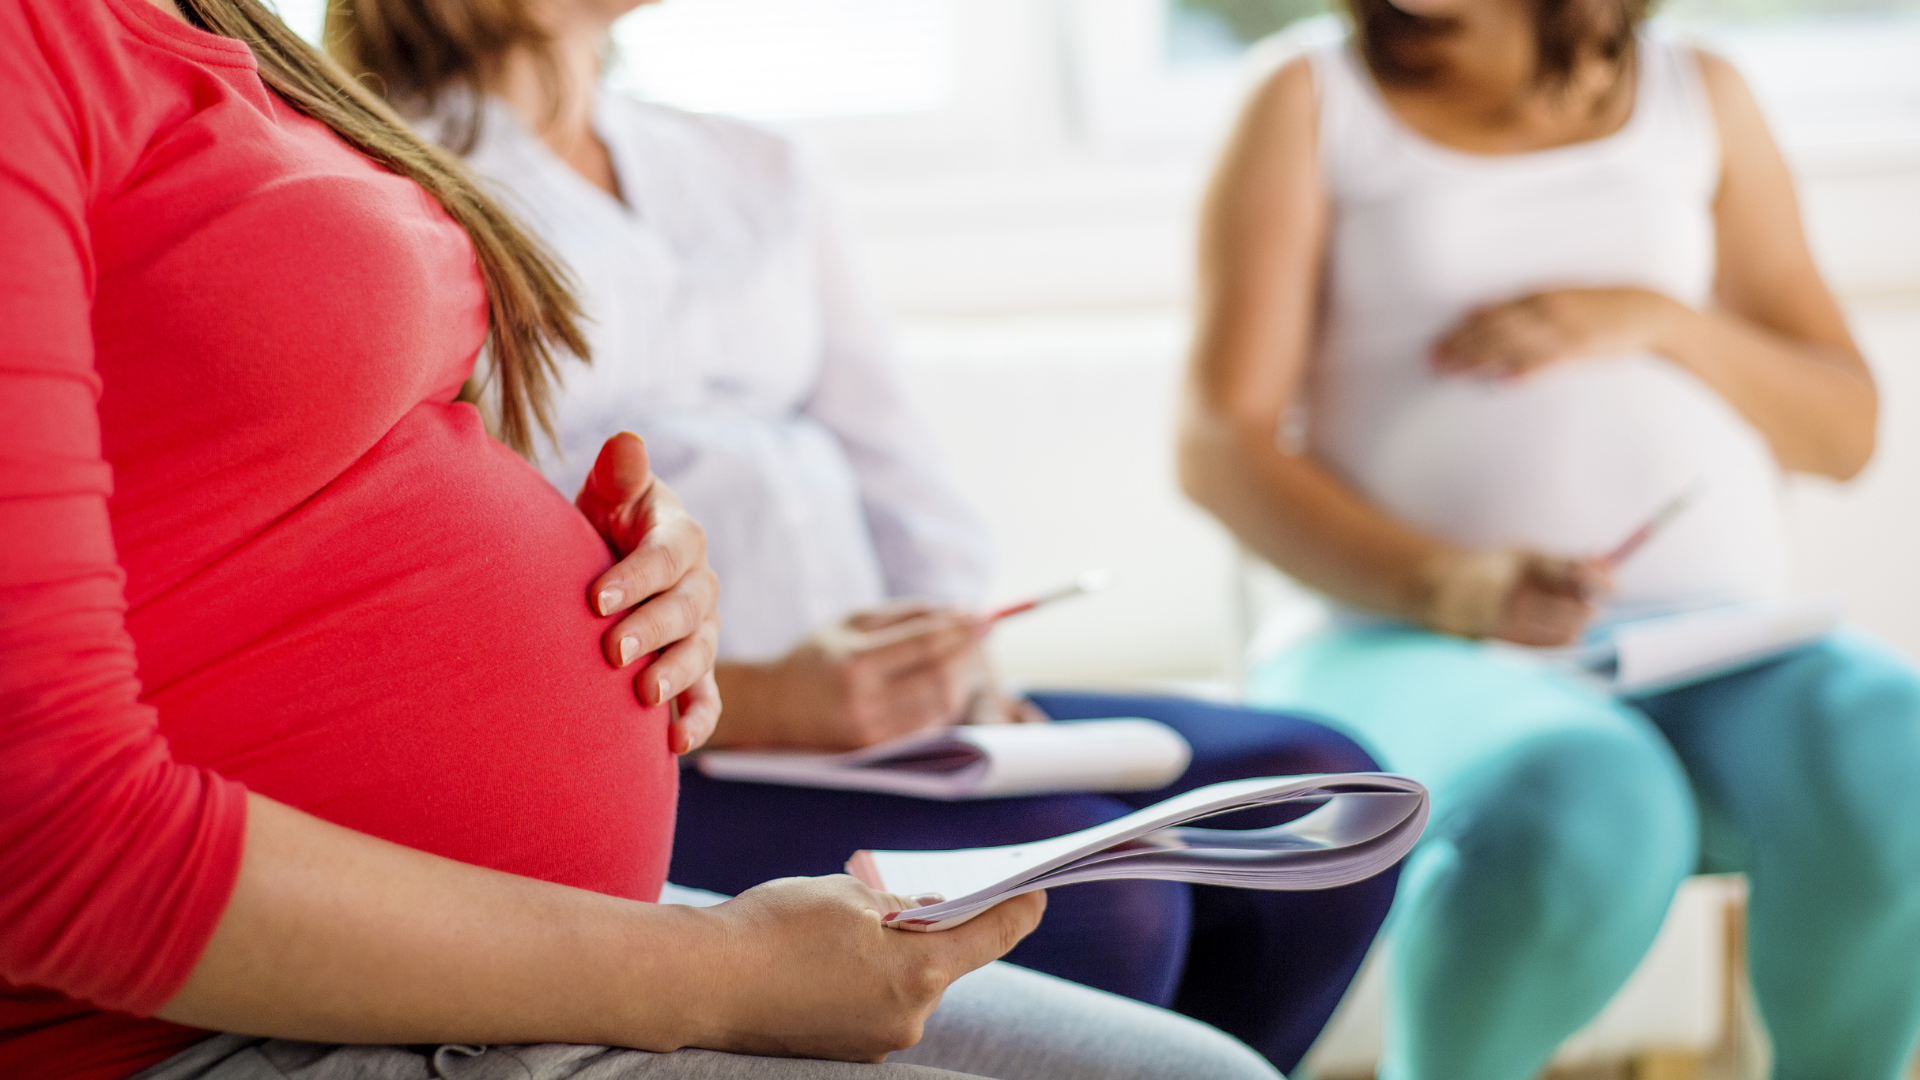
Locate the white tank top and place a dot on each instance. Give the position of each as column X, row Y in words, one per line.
column 1572, row 458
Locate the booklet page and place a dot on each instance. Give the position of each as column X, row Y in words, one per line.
column 1364, row 823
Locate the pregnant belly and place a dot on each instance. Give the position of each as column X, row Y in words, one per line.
column 1571, row 460
column 411, row 655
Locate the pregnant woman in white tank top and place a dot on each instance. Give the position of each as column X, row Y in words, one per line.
column 1524, row 272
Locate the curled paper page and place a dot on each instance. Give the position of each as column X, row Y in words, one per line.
column 1650, row 654
column 966, row 762
column 1363, row 824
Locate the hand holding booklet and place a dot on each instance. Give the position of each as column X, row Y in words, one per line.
column 1364, row 824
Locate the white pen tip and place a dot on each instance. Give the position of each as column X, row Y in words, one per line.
column 1095, row 580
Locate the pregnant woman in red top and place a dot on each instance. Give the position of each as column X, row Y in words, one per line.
column 307, row 728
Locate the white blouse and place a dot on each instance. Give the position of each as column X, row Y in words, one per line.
column 730, row 329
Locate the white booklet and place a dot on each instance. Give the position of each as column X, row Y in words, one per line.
column 1366, row 822
column 1643, row 656
column 979, row 761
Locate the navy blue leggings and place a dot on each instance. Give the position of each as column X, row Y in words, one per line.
column 1267, row 967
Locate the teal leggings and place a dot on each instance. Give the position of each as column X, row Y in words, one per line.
column 1564, row 820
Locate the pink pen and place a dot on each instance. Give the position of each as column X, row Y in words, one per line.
column 867, row 641
column 1660, row 520
column 1091, row 581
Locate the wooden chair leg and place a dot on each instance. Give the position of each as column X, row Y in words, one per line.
column 1668, row 1065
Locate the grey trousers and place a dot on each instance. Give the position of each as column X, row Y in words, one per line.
column 1002, row 1022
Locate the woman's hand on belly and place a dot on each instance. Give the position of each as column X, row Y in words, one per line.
column 1510, row 339
column 664, row 583
column 334, row 936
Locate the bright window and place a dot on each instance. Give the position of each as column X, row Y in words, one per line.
column 771, row 59
column 1202, row 30
column 1211, row 28
column 1826, row 82
column 304, row 16
column 788, row 59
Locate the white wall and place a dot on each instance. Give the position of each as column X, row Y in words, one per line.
column 1093, row 231
column 1060, row 428
column 1076, row 210
column 1860, row 539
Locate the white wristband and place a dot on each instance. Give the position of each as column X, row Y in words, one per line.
column 1469, row 591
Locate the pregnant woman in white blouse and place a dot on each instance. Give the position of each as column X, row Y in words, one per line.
column 731, row 330
column 1528, row 270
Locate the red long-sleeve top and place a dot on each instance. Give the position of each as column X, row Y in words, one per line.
column 247, row 537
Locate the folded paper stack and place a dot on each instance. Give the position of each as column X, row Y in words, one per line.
column 1362, row 824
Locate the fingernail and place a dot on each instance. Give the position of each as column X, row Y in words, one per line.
column 927, row 899
column 610, row 598
column 629, row 651
column 890, row 916
column 664, row 695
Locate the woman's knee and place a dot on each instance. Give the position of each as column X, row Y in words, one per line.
column 1008, row 1022
column 1579, row 829
column 1283, row 744
column 1856, row 751
column 1227, row 739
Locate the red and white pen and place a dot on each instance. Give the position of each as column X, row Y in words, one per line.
column 1091, row 581
column 867, row 641
column 1660, row 520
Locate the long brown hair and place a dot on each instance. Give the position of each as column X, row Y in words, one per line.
column 412, row 52
column 1565, row 32
column 532, row 312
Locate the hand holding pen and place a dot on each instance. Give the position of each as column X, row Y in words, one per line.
column 859, row 644
column 896, row 632
column 1529, row 598
column 877, row 675
column 1551, row 600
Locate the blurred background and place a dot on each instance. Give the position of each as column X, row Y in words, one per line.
column 1025, row 175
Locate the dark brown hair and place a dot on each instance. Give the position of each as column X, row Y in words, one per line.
column 412, row 52
column 1397, row 44
column 531, row 310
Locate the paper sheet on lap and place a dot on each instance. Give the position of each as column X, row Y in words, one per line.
column 1646, row 656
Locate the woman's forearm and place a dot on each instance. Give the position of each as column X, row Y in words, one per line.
column 1775, row 345
column 334, row 936
column 1815, row 405
column 752, row 704
column 1295, row 514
